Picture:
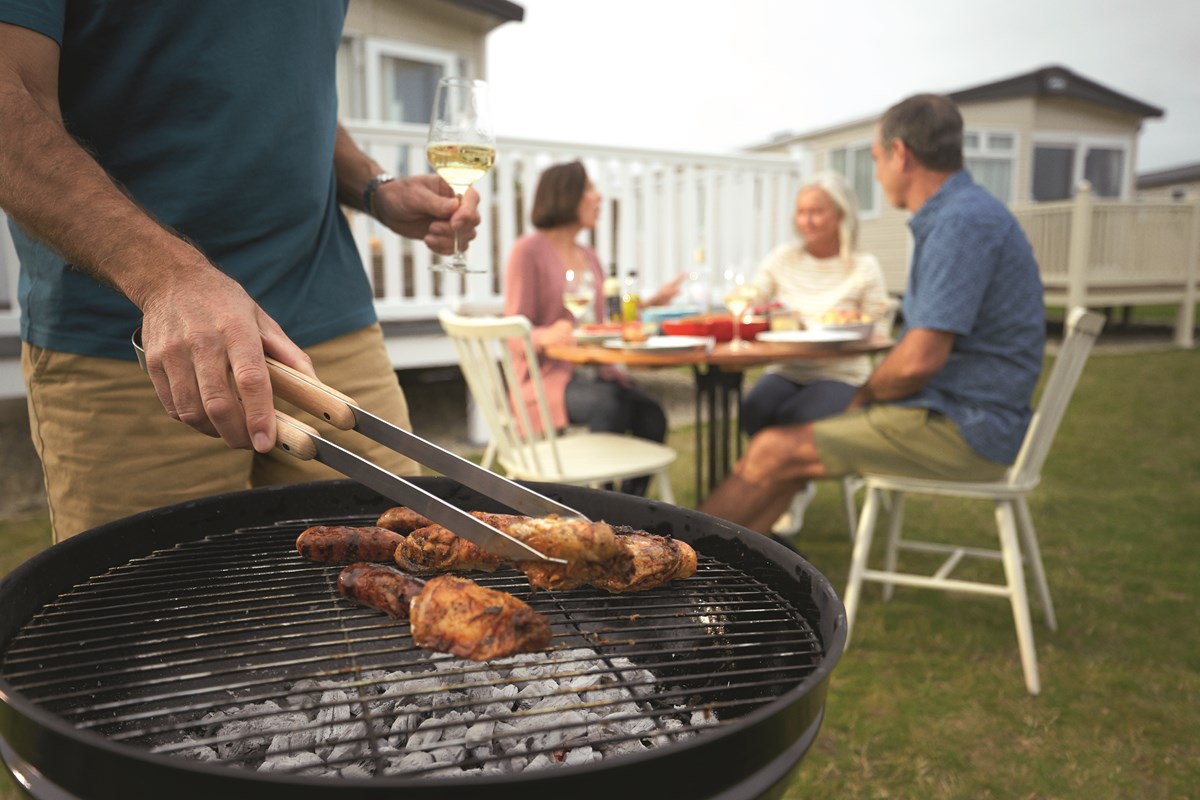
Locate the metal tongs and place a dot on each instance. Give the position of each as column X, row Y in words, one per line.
column 304, row 442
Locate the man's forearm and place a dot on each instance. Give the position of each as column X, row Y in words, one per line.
column 907, row 368
column 59, row 195
column 354, row 170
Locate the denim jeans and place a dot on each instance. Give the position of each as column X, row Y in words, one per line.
column 774, row 400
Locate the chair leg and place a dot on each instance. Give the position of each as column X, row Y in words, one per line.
column 858, row 559
column 895, row 524
column 1014, row 573
column 850, row 485
column 1034, row 554
column 489, row 454
column 665, row 493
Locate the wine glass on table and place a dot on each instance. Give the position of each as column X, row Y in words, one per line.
column 461, row 146
column 740, row 294
column 579, row 292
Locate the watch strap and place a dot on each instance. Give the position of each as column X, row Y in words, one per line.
column 369, row 192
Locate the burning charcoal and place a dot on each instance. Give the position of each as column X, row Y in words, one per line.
column 299, row 763
column 359, row 769
column 243, row 743
column 581, row 755
column 480, row 733
column 301, row 738
column 201, row 753
column 411, row 761
column 704, row 717
column 541, row 761
column 352, row 743
column 428, row 733
column 407, row 720
column 448, row 755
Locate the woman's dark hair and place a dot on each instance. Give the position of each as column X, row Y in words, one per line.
column 559, row 190
column 930, row 127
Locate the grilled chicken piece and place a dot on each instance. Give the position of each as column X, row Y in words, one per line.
column 590, row 549
column 656, row 560
column 449, row 614
column 457, row 616
column 402, row 519
column 436, row 549
column 342, row 544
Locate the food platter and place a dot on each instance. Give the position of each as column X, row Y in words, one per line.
column 824, row 336
column 662, row 344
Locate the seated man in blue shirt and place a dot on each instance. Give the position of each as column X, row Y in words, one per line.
column 952, row 399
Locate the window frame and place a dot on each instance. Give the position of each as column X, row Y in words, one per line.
column 866, row 210
column 1081, row 143
column 377, row 48
column 984, row 152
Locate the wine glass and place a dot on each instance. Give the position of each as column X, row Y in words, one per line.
column 461, row 146
column 740, row 294
column 579, row 292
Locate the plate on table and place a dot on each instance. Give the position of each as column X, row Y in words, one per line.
column 662, row 344
column 596, row 334
column 824, row 336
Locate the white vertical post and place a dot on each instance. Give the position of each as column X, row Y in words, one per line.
column 1185, row 319
column 1080, row 247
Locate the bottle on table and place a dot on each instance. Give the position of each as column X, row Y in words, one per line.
column 612, row 296
column 630, row 300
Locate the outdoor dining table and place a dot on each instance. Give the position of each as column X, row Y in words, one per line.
column 718, row 371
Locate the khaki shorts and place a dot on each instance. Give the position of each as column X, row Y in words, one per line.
column 897, row 440
column 109, row 450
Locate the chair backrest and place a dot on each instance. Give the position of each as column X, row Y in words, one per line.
column 1080, row 334
column 482, row 344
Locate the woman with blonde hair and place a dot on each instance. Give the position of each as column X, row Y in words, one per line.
column 820, row 276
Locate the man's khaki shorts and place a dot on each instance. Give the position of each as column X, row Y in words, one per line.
column 108, row 448
column 896, row 440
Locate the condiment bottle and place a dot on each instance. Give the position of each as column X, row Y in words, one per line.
column 630, row 301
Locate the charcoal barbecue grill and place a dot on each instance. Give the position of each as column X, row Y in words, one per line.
column 132, row 649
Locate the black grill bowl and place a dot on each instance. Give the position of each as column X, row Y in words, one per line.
column 754, row 755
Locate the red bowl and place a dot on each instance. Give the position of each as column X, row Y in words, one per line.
column 718, row 326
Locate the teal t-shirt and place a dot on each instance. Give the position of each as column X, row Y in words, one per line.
column 219, row 117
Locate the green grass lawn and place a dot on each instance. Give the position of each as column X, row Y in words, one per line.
column 929, row 701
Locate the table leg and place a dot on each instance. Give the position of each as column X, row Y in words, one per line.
column 716, row 389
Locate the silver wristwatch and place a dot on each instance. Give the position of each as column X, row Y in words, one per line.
column 369, row 192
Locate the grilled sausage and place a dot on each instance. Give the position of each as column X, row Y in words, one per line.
column 342, row 544
column 381, row 587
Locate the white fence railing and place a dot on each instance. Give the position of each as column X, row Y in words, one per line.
column 659, row 209
column 1099, row 253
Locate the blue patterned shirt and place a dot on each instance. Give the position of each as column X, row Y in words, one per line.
column 973, row 274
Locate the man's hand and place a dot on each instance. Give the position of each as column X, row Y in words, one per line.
column 200, row 332
column 425, row 207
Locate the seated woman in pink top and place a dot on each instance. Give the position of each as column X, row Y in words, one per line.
column 606, row 399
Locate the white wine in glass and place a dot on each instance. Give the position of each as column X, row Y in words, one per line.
column 739, row 296
column 461, row 146
column 579, row 292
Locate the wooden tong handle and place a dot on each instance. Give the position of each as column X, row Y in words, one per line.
column 310, row 394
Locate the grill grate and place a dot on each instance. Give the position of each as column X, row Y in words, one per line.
column 217, row 644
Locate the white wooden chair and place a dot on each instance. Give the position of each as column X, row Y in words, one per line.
column 1013, row 521
column 583, row 458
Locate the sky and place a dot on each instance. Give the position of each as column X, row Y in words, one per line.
column 718, row 75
